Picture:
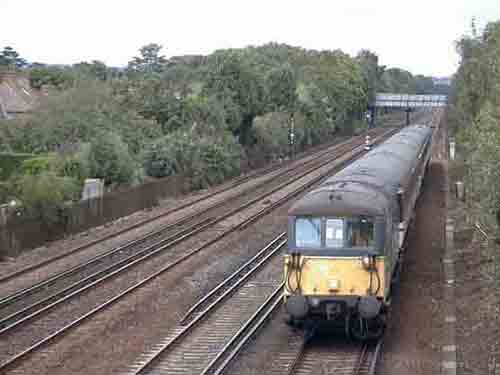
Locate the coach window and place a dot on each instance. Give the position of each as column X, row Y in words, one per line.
column 308, row 232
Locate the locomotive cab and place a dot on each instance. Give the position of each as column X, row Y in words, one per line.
column 335, row 266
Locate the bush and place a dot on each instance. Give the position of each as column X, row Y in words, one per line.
column 39, row 164
column 76, row 116
column 109, row 159
column 207, row 160
column 359, row 126
column 11, row 162
column 5, row 192
column 43, row 196
column 76, row 166
column 216, row 161
column 272, row 134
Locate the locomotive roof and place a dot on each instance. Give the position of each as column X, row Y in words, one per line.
column 352, row 201
column 367, row 185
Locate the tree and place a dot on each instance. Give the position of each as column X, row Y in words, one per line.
column 150, row 60
column 233, row 81
column 370, row 68
column 109, row 159
column 57, row 77
column 75, row 116
column 44, row 195
column 95, row 69
column 423, row 84
column 205, row 160
column 281, row 85
column 11, row 59
column 475, row 116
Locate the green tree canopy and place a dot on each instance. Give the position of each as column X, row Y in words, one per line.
column 10, row 58
column 371, row 72
column 109, row 159
column 475, row 116
column 231, row 79
column 149, row 61
column 281, row 85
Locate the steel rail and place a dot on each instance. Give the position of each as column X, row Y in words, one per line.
column 93, row 279
column 251, row 326
column 14, row 359
column 234, row 276
column 376, row 354
column 239, row 181
column 10, row 362
column 194, row 322
column 480, row 229
column 362, row 358
column 111, row 301
column 211, row 221
column 23, row 292
column 300, row 353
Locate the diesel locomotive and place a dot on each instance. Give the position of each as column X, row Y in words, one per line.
column 345, row 238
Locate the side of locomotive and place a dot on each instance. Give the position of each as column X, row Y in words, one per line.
column 345, row 237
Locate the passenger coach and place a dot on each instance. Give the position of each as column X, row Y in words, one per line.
column 345, row 237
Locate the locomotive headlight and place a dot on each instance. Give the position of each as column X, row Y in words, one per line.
column 314, row 302
column 368, row 262
column 334, row 285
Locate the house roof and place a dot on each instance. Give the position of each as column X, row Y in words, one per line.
column 16, row 94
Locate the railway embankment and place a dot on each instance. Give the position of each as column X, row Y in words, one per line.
column 476, row 281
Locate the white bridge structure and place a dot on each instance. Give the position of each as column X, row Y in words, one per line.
column 409, row 101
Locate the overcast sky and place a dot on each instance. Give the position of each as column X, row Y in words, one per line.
column 415, row 35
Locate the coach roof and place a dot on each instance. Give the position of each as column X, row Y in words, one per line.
column 369, row 184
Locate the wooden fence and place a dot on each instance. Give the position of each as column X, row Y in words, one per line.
column 21, row 233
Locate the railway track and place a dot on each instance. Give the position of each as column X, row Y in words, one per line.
column 280, row 175
column 306, row 353
column 165, row 237
column 215, row 213
column 215, row 329
column 309, row 353
column 341, row 358
column 28, row 309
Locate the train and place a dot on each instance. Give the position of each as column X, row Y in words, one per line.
column 346, row 237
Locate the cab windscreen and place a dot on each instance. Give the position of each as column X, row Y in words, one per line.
column 335, row 232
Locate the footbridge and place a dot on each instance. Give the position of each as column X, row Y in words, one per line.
column 408, row 102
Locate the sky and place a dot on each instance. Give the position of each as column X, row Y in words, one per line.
column 415, row 35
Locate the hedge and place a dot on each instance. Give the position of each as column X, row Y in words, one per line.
column 11, row 162
column 4, row 192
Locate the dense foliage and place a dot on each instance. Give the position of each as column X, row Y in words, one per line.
column 205, row 160
column 475, row 115
column 73, row 116
column 44, row 196
column 201, row 116
column 10, row 163
column 109, row 159
column 9, row 58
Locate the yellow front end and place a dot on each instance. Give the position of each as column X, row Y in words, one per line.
column 335, row 276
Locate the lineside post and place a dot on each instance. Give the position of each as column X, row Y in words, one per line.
column 408, row 110
column 291, row 136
